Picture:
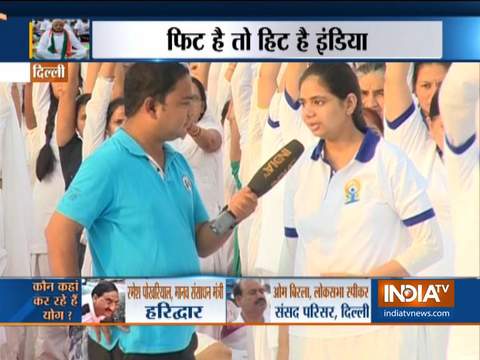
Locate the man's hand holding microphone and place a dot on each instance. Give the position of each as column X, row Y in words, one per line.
column 244, row 202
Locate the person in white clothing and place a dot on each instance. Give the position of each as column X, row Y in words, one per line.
column 422, row 144
column 16, row 210
column 45, row 25
column 59, row 43
column 354, row 207
column 249, row 295
column 371, row 77
column 48, row 187
column 105, row 112
column 212, row 81
column 271, row 231
column 459, row 108
column 202, row 147
column 419, row 133
column 82, row 28
column 426, row 80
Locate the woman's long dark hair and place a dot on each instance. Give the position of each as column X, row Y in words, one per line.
column 46, row 158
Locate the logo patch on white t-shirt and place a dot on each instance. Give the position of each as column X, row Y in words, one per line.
column 352, row 191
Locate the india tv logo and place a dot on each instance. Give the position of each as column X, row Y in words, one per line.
column 416, row 293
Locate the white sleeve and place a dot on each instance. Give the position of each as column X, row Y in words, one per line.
column 43, row 42
column 209, row 122
column 459, row 96
column 289, row 248
column 42, row 48
column 41, row 102
column 241, row 85
column 410, row 133
column 459, row 99
column 408, row 195
column 251, row 160
column 288, row 116
column 76, row 44
column 213, row 78
column 96, row 122
column 223, row 92
column 83, row 74
column 5, row 114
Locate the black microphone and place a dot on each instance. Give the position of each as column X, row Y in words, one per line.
column 264, row 179
column 275, row 168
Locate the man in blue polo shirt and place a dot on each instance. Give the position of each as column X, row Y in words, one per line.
column 138, row 200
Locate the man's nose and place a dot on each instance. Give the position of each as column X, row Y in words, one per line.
column 370, row 101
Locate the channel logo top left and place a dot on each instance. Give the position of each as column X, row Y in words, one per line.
column 59, row 39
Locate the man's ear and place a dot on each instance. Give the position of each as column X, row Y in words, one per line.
column 149, row 106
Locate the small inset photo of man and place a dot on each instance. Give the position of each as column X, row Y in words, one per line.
column 103, row 301
column 60, row 39
column 251, row 299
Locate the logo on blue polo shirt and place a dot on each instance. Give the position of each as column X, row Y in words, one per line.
column 72, row 193
column 352, row 191
column 187, row 183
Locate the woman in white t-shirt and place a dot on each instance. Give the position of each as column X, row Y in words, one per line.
column 423, row 143
column 460, row 111
column 355, row 206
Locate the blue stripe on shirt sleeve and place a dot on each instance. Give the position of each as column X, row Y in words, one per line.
column 291, row 232
column 458, row 150
column 273, row 124
column 295, row 105
column 417, row 219
column 402, row 118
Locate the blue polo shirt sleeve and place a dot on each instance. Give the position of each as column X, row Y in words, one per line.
column 199, row 212
column 90, row 193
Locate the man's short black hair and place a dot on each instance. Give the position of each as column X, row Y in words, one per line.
column 103, row 287
column 150, row 79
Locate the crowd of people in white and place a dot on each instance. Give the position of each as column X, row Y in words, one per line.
column 388, row 184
